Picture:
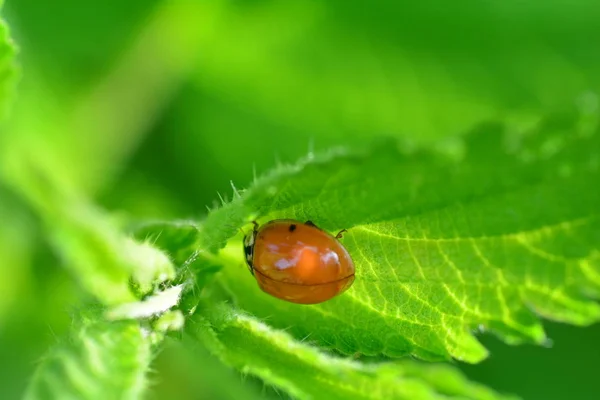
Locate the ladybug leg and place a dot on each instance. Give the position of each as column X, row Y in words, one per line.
column 310, row 223
column 339, row 234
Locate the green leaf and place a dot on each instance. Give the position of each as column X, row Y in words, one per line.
column 176, row 238
column 104, row 260
column 483, row 234
column 307, row 373
column 101, row 257
column 100, row 360
column 180, row 240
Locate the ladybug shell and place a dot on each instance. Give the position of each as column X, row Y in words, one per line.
column 300, row 263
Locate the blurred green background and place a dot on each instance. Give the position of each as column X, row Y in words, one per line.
column 152, row 107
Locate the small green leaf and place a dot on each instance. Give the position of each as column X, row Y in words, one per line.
column 180, row 240
column 304, row 372
column 100, row 360
column 480, row 234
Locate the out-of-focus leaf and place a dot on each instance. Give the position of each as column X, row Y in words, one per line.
column 100, row 360
column 15, row 250
column 189, row 371
column 101, row 257
column 335, row 71
column 55, row 37
column 85, row 136
column 8, row 71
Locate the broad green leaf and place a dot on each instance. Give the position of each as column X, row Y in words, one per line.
column 100, row 360
column 482, row 234
column 304, row 372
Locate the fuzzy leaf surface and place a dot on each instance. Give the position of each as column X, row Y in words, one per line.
column 307, row 373
column 100, row 360
column 483, row 233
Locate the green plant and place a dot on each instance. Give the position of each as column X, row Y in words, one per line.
column 486, row 231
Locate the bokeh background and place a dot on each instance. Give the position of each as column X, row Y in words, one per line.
column 151, row 108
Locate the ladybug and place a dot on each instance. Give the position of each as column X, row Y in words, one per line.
column 298, row 262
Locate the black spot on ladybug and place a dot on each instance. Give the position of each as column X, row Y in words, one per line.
column 292, row 227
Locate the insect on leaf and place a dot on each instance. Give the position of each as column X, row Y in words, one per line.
column 488, row 234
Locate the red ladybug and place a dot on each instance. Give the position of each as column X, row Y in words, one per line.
column 298, row 262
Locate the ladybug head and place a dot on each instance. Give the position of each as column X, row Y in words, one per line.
column 249, row 240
